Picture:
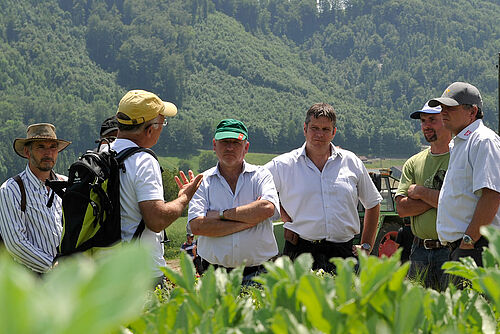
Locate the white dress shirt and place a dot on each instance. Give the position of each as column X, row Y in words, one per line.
column 32, row 237
column 323, row 204
column 140, row 182
column 252, row 246
column 474, row 164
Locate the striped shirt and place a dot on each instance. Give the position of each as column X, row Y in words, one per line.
column 31, row 237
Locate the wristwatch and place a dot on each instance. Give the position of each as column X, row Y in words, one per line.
column 467, row 239
column 366, row 246
column 221, row 215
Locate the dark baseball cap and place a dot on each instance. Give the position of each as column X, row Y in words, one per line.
column 231, row 128
column 459, row 93
column 426, row 110
column 109, row 125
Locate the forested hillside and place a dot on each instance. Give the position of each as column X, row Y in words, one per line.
column 69, row 61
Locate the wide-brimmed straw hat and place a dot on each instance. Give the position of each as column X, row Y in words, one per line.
column 39, row 132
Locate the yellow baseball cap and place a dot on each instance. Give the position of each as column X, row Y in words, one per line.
column 141, row 106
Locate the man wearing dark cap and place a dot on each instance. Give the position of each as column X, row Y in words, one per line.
column 232, row 211
column 470, row 196
column 141, row 119
column 30, row 212
column 109, row 128
column 417, row 198
column 319, row 187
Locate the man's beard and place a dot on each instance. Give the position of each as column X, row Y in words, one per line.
column 431, row 137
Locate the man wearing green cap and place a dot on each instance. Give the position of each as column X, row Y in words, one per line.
column 232, row 210
column 470, row 196
column 141, row 118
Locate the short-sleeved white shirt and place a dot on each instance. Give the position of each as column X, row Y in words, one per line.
column 140, row 182
column 323, row 204
column 474, row 164
column 252, row 246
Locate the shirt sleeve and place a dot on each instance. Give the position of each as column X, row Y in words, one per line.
column 13, row 231
column 407, row 179
column 485, row 157
column 198, row 206
column 272, row 167
column 368, row 193
column 268, row 191
column 148, row 182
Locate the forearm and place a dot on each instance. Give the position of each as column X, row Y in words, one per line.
column 408, row 207
column 427, row 195
column 252, row 213
column 486, row 209
column 158, row 215
column 370, row 224
column 214, row 227
column 28, row 254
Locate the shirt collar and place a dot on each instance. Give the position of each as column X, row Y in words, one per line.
column 247, row 168
column 333, row 151
column 465, row 133
column 32, row 177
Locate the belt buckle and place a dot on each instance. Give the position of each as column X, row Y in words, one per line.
column 425, row 244
column 317, row 242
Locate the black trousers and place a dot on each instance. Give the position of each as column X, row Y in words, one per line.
column 476, row 254
column 322, row 251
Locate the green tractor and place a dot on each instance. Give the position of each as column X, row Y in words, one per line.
column 393, row 231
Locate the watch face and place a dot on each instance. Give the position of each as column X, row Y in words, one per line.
column 365, row 246
column 468, row 240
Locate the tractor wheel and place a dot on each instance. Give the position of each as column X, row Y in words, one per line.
column 385, row 243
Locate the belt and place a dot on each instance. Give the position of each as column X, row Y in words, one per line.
column 429, row 243
column 246, row 271
column 453, row 245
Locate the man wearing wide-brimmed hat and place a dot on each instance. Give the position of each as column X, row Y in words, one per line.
column 30, row 212
column 141, row 119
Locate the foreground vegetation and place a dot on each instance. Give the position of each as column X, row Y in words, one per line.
column 111, row 295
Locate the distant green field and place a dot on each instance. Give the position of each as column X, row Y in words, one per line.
column 263, row 158
column 177, row 235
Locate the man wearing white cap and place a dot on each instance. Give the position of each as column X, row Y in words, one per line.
column 141, row 118
column 30, row 212
column 417, row 198
column 470, row 197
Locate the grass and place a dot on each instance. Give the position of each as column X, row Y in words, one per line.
column 177, row 235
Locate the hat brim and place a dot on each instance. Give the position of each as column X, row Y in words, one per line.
column 230, row 135
column 19, row 144
column 416, row 114
column 447, row 101
column 169, row 110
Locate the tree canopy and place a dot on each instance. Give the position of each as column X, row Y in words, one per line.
column 68, row 62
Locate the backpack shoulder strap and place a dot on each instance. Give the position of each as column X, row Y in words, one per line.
column 123, row 155
column 20, row 183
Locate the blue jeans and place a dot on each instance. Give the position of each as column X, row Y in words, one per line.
column 425, row 266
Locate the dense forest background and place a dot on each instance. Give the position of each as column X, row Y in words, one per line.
column 266, row 62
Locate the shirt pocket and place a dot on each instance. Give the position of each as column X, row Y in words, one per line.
column 460, row 180
column 343, row 189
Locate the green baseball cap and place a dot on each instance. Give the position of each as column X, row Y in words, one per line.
column 231, row 128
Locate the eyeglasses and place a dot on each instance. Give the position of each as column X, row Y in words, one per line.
column 164, row 124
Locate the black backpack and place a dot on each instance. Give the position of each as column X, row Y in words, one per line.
column 91, row 201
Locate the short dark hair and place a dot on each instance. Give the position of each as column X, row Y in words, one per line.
column 321, row 110
column 479, row 114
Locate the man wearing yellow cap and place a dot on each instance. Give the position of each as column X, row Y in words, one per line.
column 141, row 119
column 30, row 212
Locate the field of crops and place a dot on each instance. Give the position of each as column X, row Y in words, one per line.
column 114, row 295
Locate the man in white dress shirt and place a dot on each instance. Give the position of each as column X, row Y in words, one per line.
column 470, row 196
column 30, row 212
column 319, row 186
column 232, row 210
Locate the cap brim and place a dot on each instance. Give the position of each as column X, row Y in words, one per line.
column 230, row 135
column 169, row 110
column 19, row 144
column 416, row 114
column 447, row 101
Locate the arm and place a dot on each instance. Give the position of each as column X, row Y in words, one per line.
column 370, row 224
column 158, row 214
column 285, row 217
column 13, row 230
column 407, row 206
column 486, row 209
column 236, row 219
